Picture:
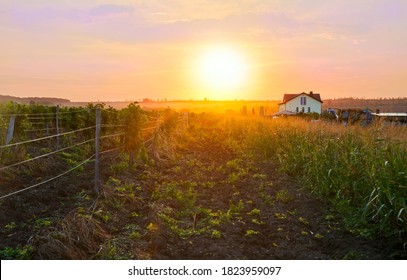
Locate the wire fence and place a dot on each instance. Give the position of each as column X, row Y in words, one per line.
column 96, row 140
column 49, row 180
column 47, row 137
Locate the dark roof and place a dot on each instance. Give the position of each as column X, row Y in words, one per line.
column 289, row 96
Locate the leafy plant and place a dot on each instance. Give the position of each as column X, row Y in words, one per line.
column 283, row 196
column 216, row 234
column 251, row 233
column 16, row 253
column 254, row 211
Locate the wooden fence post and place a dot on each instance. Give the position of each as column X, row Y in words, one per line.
column 97, row 142
column 187, row 119
column 261, row 113
column 57, row 124
column 10, row 129
column 156, row 136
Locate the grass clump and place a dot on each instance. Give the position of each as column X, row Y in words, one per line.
column 361, row 171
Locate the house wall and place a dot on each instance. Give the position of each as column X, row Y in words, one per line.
column 281, row 107
column 292, row 105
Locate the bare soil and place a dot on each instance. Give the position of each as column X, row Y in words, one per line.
column 277, row 218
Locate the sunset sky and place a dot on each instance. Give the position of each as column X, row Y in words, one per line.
column 126, row 50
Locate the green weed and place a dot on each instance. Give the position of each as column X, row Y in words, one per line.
column 251, row 233
column 16, row 253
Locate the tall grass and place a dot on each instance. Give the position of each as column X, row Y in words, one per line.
column 361, row 171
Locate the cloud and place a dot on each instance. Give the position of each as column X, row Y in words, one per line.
column 110, row 10
column 47, row 17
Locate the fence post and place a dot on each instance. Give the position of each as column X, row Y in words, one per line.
column 155, row 139
column 97, row 141
column 261, row 113
column 187, row 119
column 57, row 124
column 10, row 129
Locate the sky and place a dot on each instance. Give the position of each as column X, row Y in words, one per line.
column 93, row 50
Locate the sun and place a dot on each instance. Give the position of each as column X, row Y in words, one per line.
column 222, row 68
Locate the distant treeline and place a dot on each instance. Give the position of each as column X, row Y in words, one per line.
column 38, row 100
column 382, row 104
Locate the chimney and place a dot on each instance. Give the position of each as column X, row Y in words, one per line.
column 311, row 93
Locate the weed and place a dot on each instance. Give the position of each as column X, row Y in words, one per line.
column 257, row 222
column 293, row 213
column 283, row 196
column 361, row 171
column 10, row 226
column 121, row 165
column 214, row 222
column 43, row 222
column 216, row 234
column 16, row 253
column 234, row 164
column 177, row 169
column 226, row 217
column 303, row 221
column 319, row 236
column 103, row 215
column 236, row 208
column 135, row 235
column 261, row 177
column 152, row 227
column 251, row 233
column 134, row 215
column 353, row 255
column 233, row 178
column 280, row 216
column 209, row 185
column 254, row 211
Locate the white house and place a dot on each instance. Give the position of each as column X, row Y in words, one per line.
column 301, row 102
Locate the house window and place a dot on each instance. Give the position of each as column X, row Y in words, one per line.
column 297, row 110
column 303, row 109
column 303, row 100
column 309, row 109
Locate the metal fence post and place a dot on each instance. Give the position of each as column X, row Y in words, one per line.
column 10, row 129
column 97, row 141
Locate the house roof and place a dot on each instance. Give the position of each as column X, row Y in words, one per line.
column 288, row 96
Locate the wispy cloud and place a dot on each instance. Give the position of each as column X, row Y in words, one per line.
column 97, row 39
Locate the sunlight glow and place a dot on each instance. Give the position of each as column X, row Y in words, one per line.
column 222, row 69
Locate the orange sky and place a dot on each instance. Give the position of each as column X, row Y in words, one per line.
column 96, row 50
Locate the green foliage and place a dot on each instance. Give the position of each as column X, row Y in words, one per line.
column 236, row 209
column 254, row 212
column 361, row 171
column 43, row 222
column 10, row 226
column 216, row 234
column 251, row 233
column 17, row 253
column 135, row 119
column 283, row 196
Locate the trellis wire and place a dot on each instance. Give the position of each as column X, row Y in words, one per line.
column 49, row 180
column 43, row 114
column 45, row 155
column 78, row 144
column 47, row 137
